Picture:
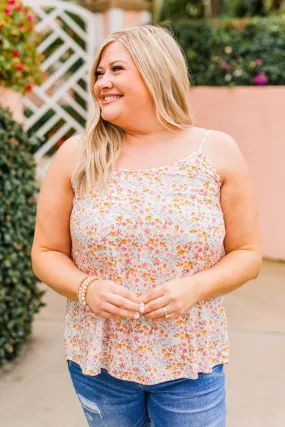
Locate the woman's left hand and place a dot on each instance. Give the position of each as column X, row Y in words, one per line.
column 177, row 296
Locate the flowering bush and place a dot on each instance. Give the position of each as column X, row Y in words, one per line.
column 19, row 60
column 237, row 52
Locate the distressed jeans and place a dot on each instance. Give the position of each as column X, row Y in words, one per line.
column 110, row 402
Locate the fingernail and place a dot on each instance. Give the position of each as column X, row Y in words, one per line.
column 137, row 315
column 142, row 309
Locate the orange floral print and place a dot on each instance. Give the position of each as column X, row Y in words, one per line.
column 154, row 225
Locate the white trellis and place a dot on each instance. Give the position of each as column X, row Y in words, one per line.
column 69, row 35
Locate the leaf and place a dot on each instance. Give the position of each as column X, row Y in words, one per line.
column 20, row 298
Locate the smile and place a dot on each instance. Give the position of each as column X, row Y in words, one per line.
column 109, row 99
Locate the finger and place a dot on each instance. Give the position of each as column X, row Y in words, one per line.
column 153, row 294
column 119, row 313
column 106, row 315
column 123, row 302
column 158, row 313
column 124, row 292
column 156, row 304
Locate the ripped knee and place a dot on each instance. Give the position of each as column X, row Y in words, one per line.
column 90, row 408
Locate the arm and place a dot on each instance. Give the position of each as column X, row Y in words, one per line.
column 242, row 241
column 52, row 245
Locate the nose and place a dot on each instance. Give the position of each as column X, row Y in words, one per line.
column 104, row 81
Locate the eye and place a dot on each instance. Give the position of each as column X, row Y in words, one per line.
column 117, row 67
column 114, row 68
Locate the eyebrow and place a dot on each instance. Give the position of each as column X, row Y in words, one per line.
column 113, row 62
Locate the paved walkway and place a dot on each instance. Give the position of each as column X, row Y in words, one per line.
column 35, row 391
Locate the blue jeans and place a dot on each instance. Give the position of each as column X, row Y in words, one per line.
column 110, row 402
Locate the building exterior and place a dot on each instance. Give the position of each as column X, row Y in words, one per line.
column 118, row 14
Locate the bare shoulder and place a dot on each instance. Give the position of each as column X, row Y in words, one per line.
column 223, row 151
column 71, row 148
column 68, row 154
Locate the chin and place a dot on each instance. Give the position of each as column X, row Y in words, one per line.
column 109, row 116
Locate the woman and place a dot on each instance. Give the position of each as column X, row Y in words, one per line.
column 144, row 223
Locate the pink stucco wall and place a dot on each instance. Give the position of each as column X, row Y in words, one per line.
column 13, row 101
column 255, row 117
column 105, row 24
column 131, row 18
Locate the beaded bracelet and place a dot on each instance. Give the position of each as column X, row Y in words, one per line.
column 82, row 288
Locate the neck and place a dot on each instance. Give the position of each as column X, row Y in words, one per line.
column 149, row 136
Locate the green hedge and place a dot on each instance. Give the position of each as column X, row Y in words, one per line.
column 20, row 298
column 237, row 52
column 175, row 9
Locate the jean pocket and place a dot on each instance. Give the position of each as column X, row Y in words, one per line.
column 69, row 362
column 218, row 368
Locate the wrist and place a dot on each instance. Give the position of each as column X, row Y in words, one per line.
column 90, row 291
column 83, row 287
column 195, row 289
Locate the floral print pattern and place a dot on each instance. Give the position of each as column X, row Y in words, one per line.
column 154, row 225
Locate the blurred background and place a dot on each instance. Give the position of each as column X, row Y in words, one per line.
column 235, row 51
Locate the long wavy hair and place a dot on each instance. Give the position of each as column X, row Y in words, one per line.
column 163, row 68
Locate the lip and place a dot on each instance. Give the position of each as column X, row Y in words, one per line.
column 110, row 100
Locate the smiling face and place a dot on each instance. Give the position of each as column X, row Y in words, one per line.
column 119, row 88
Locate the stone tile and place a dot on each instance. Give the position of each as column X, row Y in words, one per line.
column 36, row 390
column 37, row 387
column 256, row 380
column 259, row 304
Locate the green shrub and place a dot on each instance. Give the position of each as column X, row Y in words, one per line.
column 19, row 59
column 177, row 9
column 243, row 8
column 20, row 298
column 237, row 52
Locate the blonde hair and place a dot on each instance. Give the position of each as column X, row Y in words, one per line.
column 163, row 68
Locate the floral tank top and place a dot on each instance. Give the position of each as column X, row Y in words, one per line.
column 154, row 225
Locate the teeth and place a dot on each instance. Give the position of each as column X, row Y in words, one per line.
column 107, row 98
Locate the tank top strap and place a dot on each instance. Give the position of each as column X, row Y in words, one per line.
column 202, row 143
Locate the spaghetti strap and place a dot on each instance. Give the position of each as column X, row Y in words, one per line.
column 202, row 143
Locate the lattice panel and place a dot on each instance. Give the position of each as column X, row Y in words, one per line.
column 68, row 37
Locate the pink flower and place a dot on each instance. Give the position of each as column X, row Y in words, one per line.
column 8, row 11
column 30, row 18
column 261, row 79
column 19, row 67
column 29, row 87
column 15, row 53
column 226, row 66
column 11, row 2
column 259, row 62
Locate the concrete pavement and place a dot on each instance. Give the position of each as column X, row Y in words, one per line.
column 36, row 391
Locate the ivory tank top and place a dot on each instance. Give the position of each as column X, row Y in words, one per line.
column 155, row 225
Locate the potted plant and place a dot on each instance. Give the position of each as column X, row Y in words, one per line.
column 19, row 60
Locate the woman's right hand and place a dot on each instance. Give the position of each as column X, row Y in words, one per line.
column 112, row 301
